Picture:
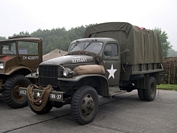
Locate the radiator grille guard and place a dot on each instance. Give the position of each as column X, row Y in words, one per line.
column 48, row 74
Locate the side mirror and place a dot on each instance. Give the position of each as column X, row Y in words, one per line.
column 125, row 51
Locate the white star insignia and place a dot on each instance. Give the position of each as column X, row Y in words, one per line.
column 38, row 94
column 111, row 72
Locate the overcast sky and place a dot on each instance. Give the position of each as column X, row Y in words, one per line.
column 31, row 15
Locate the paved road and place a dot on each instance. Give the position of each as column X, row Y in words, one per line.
column 124, row 113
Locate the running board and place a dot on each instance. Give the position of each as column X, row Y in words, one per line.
column 115, row 90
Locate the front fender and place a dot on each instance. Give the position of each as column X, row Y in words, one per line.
column 79, row 77
column 15, row 69
column 102, row 87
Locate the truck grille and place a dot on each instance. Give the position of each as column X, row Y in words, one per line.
column 48, row 74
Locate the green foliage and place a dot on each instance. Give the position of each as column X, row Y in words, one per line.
column 167, row 87
column 52, row 39
column 163, row 39
column 22, row 34
column 58, row 38
column 172, row 53
column 2, row 38
column 61, row 38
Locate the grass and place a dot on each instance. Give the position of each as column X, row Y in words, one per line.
column 167, row 87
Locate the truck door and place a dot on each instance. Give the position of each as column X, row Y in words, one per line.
column 111, row 57
column 29, row 54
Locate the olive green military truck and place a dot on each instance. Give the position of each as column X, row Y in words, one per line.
column 113, row 58
column 18, row 56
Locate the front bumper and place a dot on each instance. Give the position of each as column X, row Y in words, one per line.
column 54, row 95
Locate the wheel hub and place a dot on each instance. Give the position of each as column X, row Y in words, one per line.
column 88, row 105
column 16, row 95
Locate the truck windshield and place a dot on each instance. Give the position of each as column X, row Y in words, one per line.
column 24, row 47
column 8, row 48
column 86, row 46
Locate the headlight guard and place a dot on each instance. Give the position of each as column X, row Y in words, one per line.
column 67, row 72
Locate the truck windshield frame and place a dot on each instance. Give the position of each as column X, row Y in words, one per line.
column 94, row 47
column 20, row 47
column 8, row 48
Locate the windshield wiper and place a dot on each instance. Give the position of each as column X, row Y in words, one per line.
column 74, row 45
column 88, row 45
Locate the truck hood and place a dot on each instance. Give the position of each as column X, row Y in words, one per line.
column 6, row 57
column 68, row 59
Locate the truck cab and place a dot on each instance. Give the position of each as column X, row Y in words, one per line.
column 109, row 51
column 19, row 56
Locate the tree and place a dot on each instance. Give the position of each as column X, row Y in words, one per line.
column 2, row 38
column 163, row 39
column 172, row 53
column 22, row 34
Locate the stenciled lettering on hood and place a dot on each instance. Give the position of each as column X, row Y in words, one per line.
column 77, row 60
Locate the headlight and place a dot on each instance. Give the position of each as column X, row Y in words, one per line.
column 37, row 70
column 1, row 66
column 67, row 72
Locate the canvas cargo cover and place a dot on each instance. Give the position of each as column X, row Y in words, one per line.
column 144, row 45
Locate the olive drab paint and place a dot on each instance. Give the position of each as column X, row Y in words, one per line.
column 130, row 56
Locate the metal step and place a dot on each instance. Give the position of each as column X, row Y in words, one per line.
column 115, row 90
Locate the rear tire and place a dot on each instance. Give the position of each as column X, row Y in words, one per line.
column 84, row 105
column 150, row 92
column 11, row 91
column 141, row 94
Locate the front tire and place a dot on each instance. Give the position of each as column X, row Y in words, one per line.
column 45, row 110
column 84, row 105
column 11, row 91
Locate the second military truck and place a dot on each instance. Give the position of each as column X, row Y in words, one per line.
column 19, row 55
column 113, row 58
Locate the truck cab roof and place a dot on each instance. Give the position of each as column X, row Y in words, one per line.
column 32, row 39
column 99, row 39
